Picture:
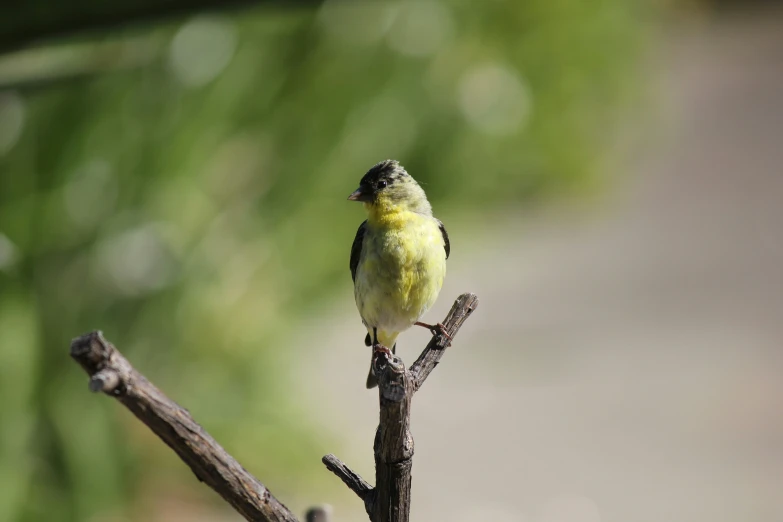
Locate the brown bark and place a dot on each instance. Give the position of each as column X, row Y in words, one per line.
column 112, row 374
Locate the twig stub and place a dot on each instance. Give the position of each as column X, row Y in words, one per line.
column 351, row 479
column 105, row 380
column 319, row 514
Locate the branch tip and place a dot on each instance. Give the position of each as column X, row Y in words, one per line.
column 350, row 478
column 112, row 373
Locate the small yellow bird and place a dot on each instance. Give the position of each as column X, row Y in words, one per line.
column 398, row 257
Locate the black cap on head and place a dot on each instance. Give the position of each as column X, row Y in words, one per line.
column 381, row 175
column 387, row 170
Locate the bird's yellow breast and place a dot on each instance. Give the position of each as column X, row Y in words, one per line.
column 400, row 271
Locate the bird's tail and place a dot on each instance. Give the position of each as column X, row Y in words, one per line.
column 372, row 382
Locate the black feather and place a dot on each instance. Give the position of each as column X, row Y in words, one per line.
column 356, row 249
column 446, row 244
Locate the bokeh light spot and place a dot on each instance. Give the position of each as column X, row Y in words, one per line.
column 384, row 126
column 201, row 49
column 8, row 253
column 494, row 98
column 238, row 168
column 421, row 28
column 91, row 193
column 357, row 22
column 12, row 115
column 136, row 261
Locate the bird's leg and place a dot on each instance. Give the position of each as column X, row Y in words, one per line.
column 376, row 346
column 436, row 329
column 377, row 350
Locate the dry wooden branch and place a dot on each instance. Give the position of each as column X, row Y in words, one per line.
column 111, row 373
column 430, row 357
column 390, row 500
column 351, row 479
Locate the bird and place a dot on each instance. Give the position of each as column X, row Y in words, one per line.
column 398, row 256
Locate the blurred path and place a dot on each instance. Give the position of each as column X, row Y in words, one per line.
column 624, row 367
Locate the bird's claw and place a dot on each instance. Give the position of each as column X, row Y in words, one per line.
column 378, row 348
column 436, row 329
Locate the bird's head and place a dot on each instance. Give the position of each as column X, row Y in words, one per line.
column 387, row 187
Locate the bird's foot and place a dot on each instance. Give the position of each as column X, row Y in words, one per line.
column 379, row 348
column 436, row 329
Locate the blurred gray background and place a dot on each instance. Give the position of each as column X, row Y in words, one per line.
column 625, row 361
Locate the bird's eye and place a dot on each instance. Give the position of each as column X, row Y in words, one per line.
column 381, row 185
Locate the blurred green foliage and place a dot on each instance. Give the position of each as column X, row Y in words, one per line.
column 184, row 191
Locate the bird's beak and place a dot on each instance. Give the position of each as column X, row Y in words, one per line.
column 358, row 195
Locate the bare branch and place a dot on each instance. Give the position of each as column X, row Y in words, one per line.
column 111, row 373
column 389, row 501
column 429, row 358
column 351, row 479
column 393, row 447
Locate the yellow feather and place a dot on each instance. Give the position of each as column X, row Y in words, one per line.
column 402, row 260
column 401, row 270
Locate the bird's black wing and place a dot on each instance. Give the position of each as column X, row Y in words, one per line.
column 446, row 243
column 356, row 249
